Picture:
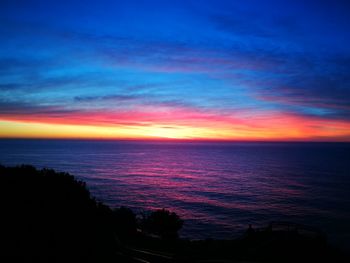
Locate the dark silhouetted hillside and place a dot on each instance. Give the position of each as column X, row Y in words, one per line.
column 51, row 217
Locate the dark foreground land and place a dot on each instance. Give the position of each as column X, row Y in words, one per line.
column 51, row 217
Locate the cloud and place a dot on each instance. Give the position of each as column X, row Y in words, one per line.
column 123, row 98
column 325, row 86
column 18, row 108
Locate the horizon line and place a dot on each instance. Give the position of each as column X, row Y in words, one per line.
column 179, row 140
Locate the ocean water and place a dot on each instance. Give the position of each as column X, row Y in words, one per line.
column 217, row 188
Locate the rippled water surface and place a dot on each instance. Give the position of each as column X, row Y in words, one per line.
column 217, row 188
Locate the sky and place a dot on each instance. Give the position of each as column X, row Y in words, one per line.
column 212, row 70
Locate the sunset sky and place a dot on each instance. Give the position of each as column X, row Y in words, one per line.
column 222, row 70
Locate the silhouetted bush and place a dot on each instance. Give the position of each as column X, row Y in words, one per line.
column 163, row 223
column 125, row 221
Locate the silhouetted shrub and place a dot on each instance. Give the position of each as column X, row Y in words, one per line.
column 125, row 221
column 163, row 223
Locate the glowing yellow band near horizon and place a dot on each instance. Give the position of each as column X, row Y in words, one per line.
column 24, row 129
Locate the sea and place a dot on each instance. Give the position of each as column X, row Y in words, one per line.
column 217, row 188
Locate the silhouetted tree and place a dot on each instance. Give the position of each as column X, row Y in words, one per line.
column 163, row 223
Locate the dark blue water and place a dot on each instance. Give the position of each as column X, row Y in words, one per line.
column 217, row 188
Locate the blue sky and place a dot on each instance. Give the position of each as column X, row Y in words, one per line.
column 241, row 59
